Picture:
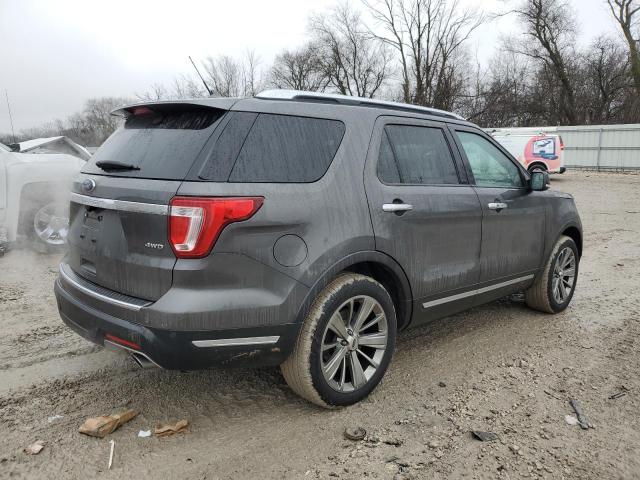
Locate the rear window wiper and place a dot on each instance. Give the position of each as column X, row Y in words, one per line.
column 115, row 165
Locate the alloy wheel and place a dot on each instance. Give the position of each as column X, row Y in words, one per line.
column 564, row 275
column 354, row 343
column 51, row 224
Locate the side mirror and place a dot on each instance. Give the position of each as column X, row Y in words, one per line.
column 539, row 180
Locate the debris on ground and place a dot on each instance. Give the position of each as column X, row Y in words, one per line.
column 113, row 444
column 356, row 433
column 571, row 420
column 144, row 433
column 171, row 429
column 582, row 419
column 617, row 395
column 484, row 436
column 442, row 384
column 102, row 426
column 54, row 418
column 623, row 391
column 394, row 442
column 34, row 448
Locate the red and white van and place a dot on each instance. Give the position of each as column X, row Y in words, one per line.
column 543, row 151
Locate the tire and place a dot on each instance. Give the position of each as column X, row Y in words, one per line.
column 308, row 368
column 545, row 295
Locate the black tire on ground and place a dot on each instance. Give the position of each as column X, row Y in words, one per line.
column 303, row 370
column 540, row 296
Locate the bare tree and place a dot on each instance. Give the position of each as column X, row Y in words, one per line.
column 606, row 73
column 354, row 62
column 299, row 70
column 627, row 14
column 229, row 77
column 550, row 39
column 428, row 36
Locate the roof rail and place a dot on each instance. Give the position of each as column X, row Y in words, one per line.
column 301, row 95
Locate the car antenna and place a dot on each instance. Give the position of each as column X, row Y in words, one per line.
column 198, row 72
column 13, row 133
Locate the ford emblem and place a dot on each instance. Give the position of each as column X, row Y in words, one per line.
column 88, row 185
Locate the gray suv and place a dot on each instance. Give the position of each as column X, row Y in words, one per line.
column 302, row 230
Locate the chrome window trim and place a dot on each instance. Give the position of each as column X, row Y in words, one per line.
column 130, row 306
column 122, row 205
column 470, row 293
column 235, row 342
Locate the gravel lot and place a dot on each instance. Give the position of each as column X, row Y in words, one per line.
column 499, row 368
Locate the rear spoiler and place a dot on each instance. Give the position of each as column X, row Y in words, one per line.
column 219, row 103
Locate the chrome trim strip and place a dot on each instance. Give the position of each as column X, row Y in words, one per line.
column 122, row 205
column 99, row 296
column 471, row 293
column 235, row 342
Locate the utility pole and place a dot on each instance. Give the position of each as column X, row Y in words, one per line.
column 13, row 134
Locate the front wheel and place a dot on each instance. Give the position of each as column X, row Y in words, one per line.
column 553, row 289
column 345, row 343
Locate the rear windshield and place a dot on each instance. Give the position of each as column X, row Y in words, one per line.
column 268, row 148
column 162, row 142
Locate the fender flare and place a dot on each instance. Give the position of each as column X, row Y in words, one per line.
column 405, row 296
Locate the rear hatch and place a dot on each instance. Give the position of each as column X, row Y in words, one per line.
column 118, row 236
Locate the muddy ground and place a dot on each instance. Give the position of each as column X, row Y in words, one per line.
column 499, row 368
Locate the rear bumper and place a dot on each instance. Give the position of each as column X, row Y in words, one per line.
column 176, row 349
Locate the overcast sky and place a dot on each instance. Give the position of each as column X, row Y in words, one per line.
column 56, row 54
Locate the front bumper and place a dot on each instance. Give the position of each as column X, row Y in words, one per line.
column 177, row 349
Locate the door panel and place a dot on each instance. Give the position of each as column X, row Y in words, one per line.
column 512, row 237
column 513, row 216
column 433, row 231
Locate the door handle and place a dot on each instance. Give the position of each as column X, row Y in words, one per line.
column 397, row 207
column 497, row 205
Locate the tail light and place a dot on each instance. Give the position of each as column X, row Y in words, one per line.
column 196, row 222
column 561, row 143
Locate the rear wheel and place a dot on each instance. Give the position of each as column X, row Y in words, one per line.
column 345, row 343
column 553, row 289
column 51, row 224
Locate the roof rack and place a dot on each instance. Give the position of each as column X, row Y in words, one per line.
column 301, row 95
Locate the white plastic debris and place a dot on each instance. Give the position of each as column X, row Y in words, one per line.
column 112, row 443
column 55, row 418
column 144, row 433
column 571, row 420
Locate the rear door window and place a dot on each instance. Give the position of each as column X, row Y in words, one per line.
column 161, row 141
column 287, row 149
column 415, row 155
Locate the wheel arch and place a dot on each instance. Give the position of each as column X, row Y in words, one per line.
column 575, row 234
column 536, row 164
column 381, row 268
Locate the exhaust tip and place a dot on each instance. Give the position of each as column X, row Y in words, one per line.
column 142, row 361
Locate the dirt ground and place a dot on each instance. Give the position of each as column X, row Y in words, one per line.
column 500, row 368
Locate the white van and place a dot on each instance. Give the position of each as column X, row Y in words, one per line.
column 535, row 150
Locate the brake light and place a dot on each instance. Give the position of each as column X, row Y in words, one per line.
column 196, row 222
column 561, row 143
